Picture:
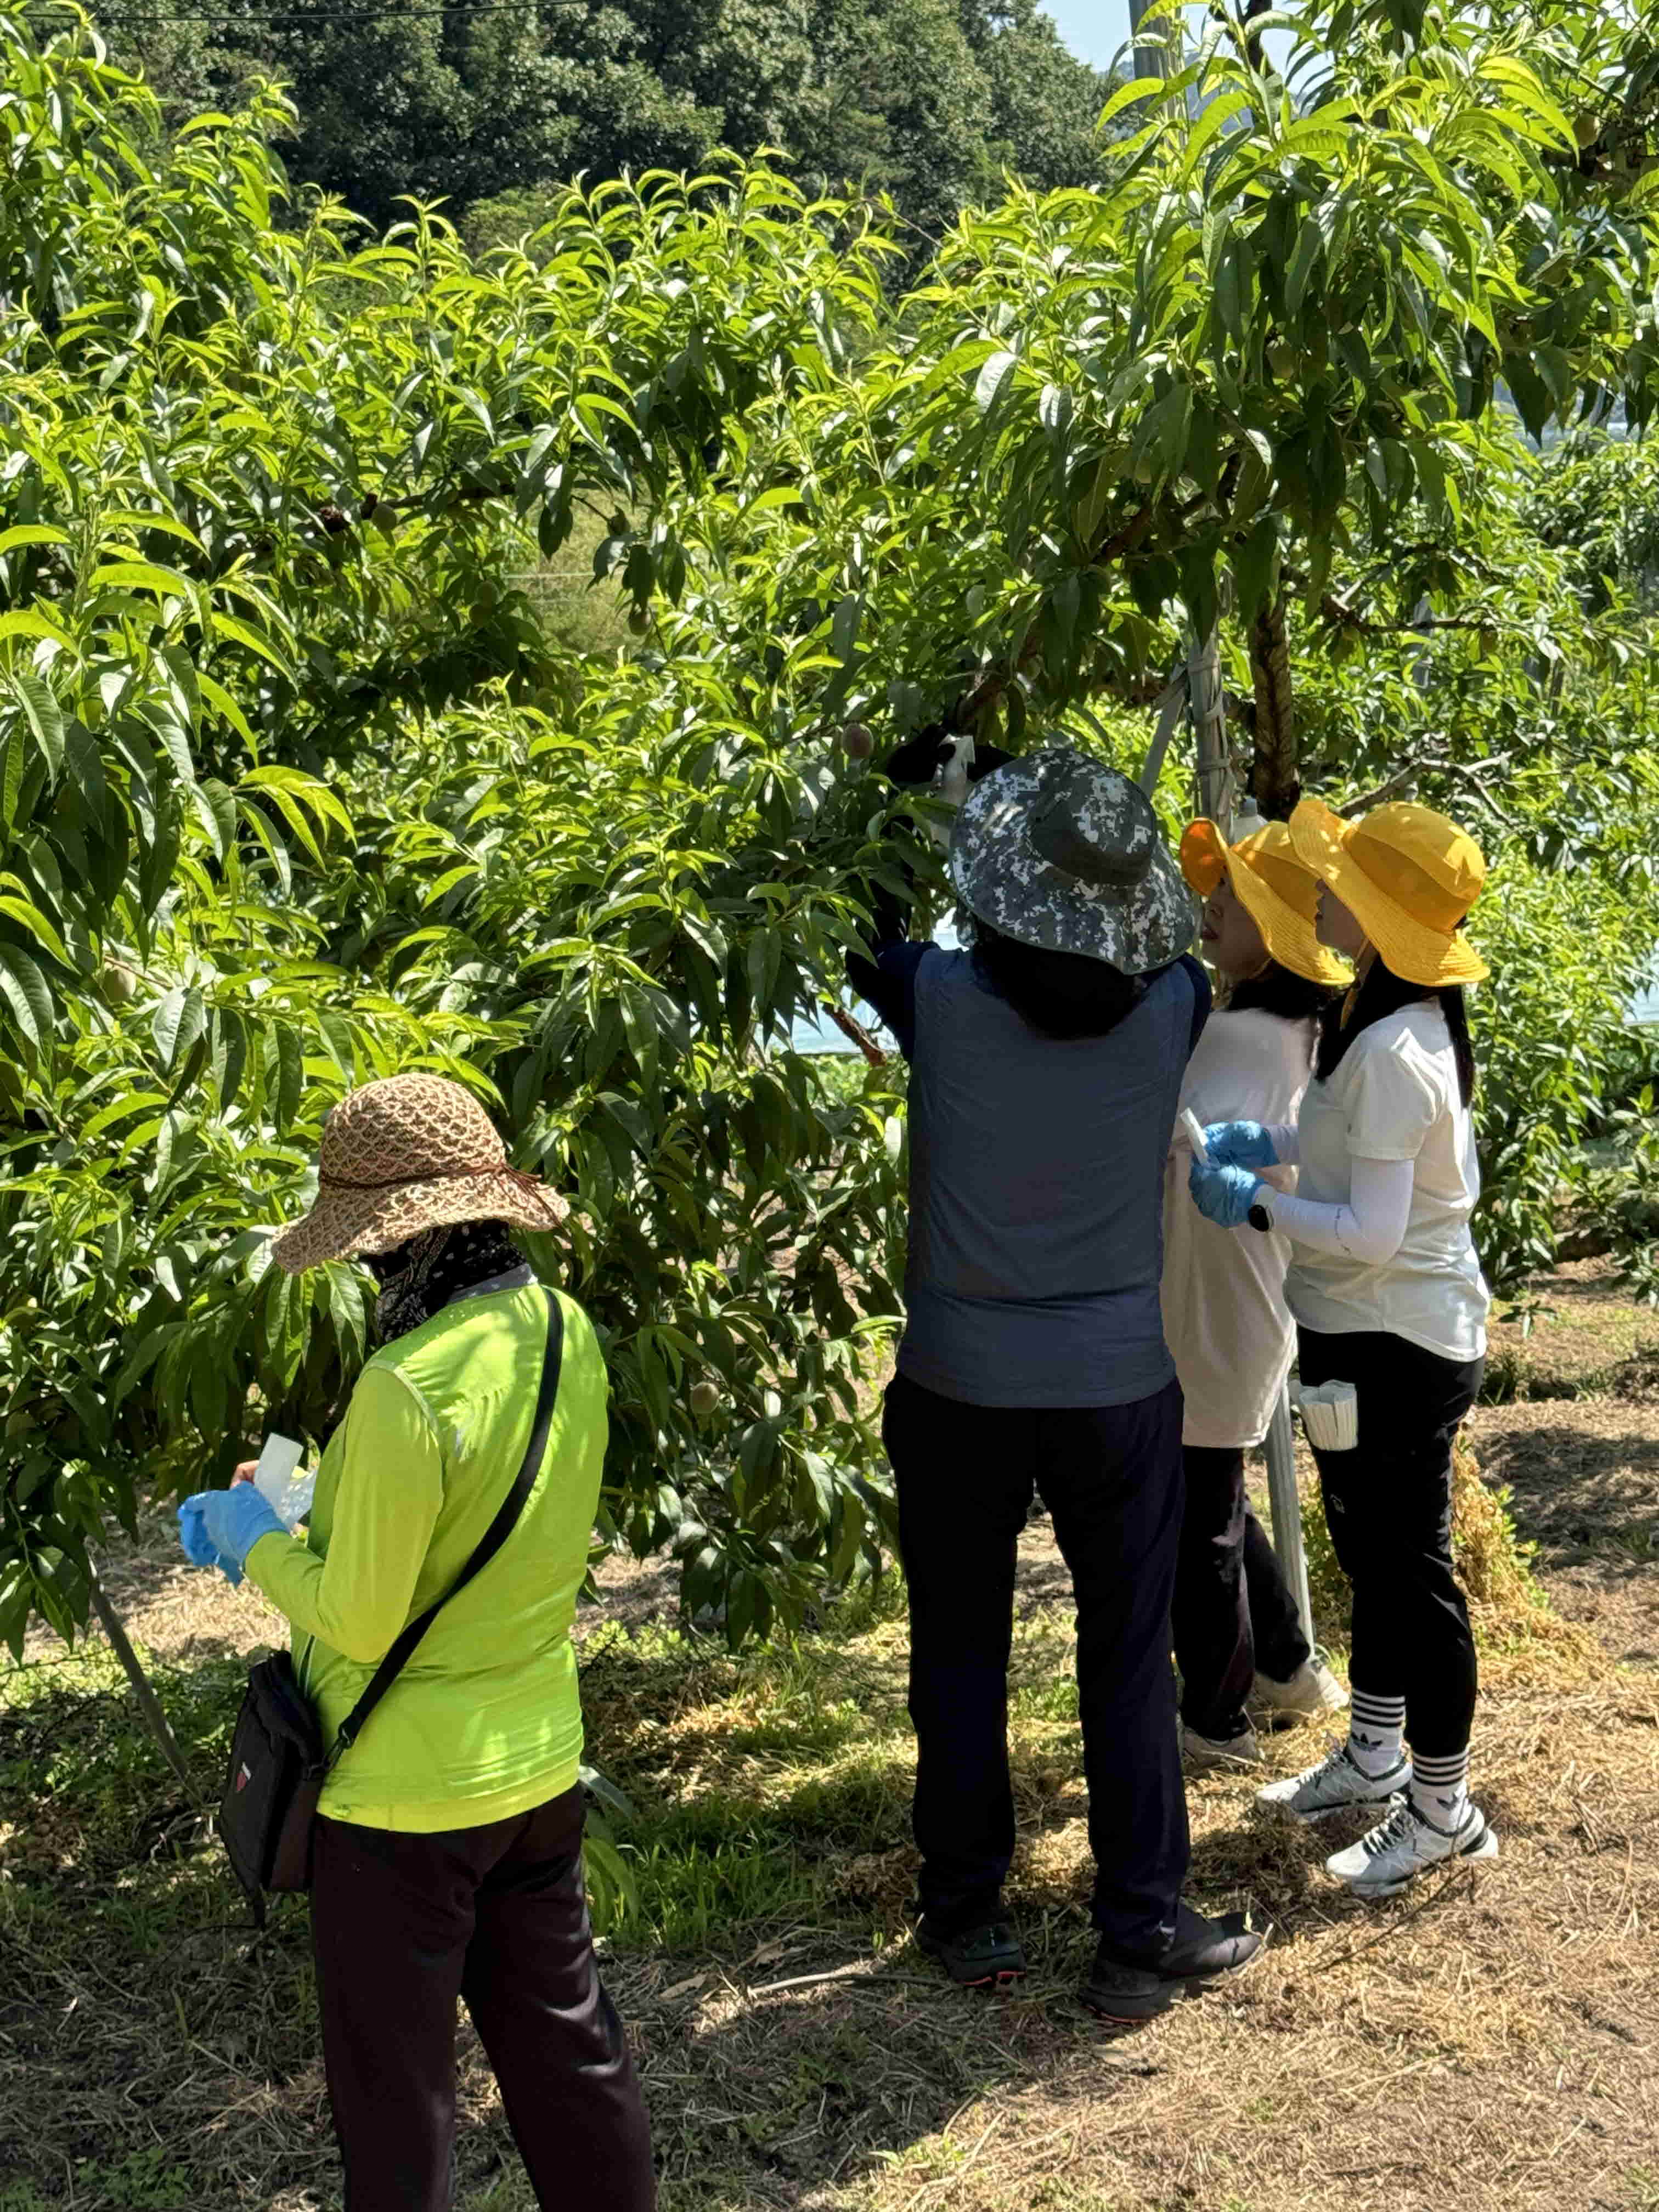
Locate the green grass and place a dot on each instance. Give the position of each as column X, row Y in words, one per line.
column 152, row 2055
column 1582, row 1340
column 588, row 617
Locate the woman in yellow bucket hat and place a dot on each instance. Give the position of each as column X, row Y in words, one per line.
column 1235, row 1625
column 1390, row 1309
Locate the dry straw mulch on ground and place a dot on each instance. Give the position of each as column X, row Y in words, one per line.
column 1491, row 2040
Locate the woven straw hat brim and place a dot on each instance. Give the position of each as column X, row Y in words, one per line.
column 343, row 1224
column 1411, row 948
column 1002, row 879
column 1289, row 937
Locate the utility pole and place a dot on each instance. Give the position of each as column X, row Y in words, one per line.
column 1151, row 60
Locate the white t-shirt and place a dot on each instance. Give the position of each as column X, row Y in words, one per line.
column 1224, row 1318
column 1395, row 1096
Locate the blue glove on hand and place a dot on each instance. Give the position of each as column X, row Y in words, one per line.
column 1224, row 1195
column 193, row 1536
column 220, row 1528
column 1239, row 1145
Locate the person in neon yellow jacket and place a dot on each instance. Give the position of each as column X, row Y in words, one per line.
column 447, row 1853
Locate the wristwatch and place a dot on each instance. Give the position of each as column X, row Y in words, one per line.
column 1258, row 1216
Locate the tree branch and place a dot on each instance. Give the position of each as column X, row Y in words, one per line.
column 1272, row 781
column 1437, row 763
column 856, row 1032
column 1341, row 615
column 1125, row 539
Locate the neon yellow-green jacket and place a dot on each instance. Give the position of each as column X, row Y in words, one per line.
column 484, row 1721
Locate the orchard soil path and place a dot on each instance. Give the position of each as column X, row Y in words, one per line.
column 1489, row 2041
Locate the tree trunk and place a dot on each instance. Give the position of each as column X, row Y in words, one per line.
column 148, row 1704
column 1273, row 780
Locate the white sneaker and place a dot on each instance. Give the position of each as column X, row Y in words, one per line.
column 1205, row 1752
column 1335, row 1784
column 1405, row 1845
column 1312, row 1692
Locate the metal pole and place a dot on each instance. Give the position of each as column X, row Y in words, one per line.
column 1285, row 1502
column 1209, row 713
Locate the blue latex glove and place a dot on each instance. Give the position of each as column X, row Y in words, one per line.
column 1224, row 1195
column 1239, row 1145
column 225, row 1525
column 193, row 1535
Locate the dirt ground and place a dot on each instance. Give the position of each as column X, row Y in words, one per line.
column 1489, row 2041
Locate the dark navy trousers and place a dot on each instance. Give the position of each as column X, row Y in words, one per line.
column 1111, row 1478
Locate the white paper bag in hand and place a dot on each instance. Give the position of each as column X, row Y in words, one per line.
column 1330, row 1413
column 279, row 1479
column 1193, row 1129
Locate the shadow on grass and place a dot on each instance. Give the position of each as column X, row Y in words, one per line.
column 1584, row 1498
column 152, row 2053
column 794, row 2047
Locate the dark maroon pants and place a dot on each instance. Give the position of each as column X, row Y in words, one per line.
column 402, row 1926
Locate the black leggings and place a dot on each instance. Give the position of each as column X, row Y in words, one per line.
column 1387, row 1505
column 1233, row 1611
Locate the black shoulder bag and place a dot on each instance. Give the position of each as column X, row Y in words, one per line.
column 278, row 1764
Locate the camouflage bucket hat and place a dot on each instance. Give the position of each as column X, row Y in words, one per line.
column 1058, row 850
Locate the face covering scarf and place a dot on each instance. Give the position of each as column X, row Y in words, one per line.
column 419, row 1278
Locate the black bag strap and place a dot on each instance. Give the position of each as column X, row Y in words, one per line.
column 489, row 1543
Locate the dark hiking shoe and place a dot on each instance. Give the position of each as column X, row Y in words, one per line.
column 982, row 1957
column 1127, row 1990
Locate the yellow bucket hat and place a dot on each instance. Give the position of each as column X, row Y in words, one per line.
column 1408, row 876
column 1275, row 888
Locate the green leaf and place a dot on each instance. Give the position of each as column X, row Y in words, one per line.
column 143, row 576
column 241, row 633
column 31, row 622
column 24, row 911
column 223, row 705
column 44, row 715
column 1254, row 566
column 24, row 989
column 1136, row 89
column 995, row 374
column 31, row 533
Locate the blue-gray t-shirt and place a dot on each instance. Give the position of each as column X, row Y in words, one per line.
column 1036, row 1189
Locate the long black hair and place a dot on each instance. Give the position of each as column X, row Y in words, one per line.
column 1382, row 993
column 1058, row 995
column 1281, row 991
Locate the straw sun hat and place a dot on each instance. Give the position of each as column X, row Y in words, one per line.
column 409, row 1154
column 1408, row 876
column 1275, row 888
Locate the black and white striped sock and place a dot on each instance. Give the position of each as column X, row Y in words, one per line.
column 1376, row 1730
column 1440, row 1788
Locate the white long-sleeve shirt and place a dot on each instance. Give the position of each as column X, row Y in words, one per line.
column 1386, row 1180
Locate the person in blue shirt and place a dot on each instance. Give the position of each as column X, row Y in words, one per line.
column 1046, row 1062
